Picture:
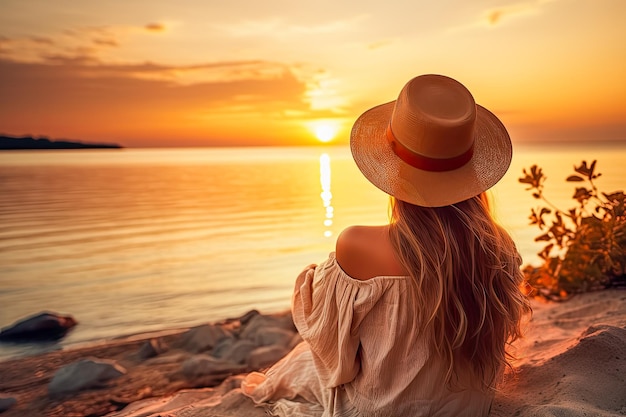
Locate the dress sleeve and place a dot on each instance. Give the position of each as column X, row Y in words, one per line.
column 328, row 308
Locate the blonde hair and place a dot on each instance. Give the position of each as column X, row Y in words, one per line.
column 466, row 273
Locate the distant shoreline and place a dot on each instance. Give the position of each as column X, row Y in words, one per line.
column 9, row 143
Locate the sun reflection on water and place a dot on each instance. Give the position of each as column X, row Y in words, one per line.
column 326, row 194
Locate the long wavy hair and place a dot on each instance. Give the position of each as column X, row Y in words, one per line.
column 466, row 273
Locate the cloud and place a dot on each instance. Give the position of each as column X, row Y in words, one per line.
column 42, row 40
column 81, row 61
column 277, row 27
column 78, row 93
column 155, row 27
column 501, row 15
column 93, row 42
column 73, row 84
column 83, row 43
column 494, row 16
column 497, row 16
column 106, row 42
column 379, row 44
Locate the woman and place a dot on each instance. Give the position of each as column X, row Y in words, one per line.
column 410, row 318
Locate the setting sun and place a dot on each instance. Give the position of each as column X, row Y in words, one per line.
column 324, row 131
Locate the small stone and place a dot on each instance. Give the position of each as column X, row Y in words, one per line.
column 248, row 316
column 84, row 374
column 168, row 359
column 273, row 336
column 296, row 340
column 204, row 337
column 202, row 365
column 240, row 351
column 266, row 355
column 41, row 326
column 223, row 347
column 6, row 403
column 262, row 322
column 151, row 348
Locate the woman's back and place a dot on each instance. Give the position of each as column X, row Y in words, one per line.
column 465, row 272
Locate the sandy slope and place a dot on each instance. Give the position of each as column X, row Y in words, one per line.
column 572, row 361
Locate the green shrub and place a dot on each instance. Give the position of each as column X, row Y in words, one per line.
column 585, row 246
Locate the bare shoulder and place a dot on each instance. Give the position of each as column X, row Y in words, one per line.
column 365, row 252
column 353, row 234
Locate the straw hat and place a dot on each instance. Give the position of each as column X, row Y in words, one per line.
column 433, row 146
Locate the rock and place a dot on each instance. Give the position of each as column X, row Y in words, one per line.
column 6, row 403
column 295, row 341
column 167, row 359
column 151, row 348
column 202, row 365
column 243, row 319
column 248, row 316
column 240, row 351
column 266, row 355
column 84, row 374
column 223, row 347
column 41, row 326
column 273, row 336
column 263, row 322
column 204, row 337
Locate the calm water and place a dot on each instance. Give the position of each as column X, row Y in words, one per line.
column 133, row 240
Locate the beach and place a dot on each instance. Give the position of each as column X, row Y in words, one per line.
column 571, row 362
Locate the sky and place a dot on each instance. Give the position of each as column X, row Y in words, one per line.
column 155, row 73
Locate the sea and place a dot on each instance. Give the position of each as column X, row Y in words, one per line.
column 132, row 241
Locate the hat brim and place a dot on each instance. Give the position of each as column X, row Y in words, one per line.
column 383, row 168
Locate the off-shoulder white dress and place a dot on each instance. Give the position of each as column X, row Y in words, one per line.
column 362, row 354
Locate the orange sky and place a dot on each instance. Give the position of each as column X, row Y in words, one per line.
column 194, row 73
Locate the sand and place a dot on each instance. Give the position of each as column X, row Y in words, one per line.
column 572, row 362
